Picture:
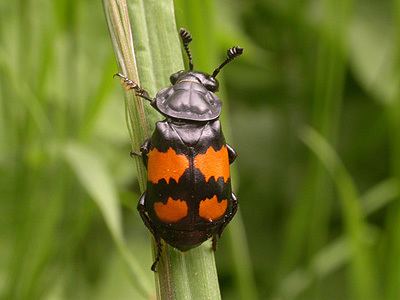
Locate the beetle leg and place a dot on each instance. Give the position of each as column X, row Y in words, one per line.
column 146, row 220
column 143, row 214
column 214, row 242
column 158, row 255
column 141, row 154
column 145, row 149
column 134, row 153
column 231, row 153
column 129, row 84
column 229, row 217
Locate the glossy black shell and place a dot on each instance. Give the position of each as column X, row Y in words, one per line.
column 189, row 139
column 191, row 97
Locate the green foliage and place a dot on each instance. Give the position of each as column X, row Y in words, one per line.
column 96, row 179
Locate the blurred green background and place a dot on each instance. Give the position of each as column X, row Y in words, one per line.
column 314, row 113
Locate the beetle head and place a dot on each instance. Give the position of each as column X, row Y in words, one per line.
column 191, row 96
column 209, row 82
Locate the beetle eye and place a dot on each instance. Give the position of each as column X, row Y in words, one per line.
column 174, row 77
column 212, row 84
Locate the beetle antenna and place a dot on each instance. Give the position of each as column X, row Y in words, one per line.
column 186, row 39
column 232, row 53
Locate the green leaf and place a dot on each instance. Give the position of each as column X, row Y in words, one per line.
column 362, row 278
column 333, row 256
column 95, row 178
column 371, row 49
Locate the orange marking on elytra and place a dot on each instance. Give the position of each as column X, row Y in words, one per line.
column 213, row 163
column 211, row 209
column 166, row 165
column 172, row 211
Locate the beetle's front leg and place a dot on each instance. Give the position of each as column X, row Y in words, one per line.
column 231, row 153
column 131, row 85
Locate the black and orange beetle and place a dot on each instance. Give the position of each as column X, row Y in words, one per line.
column 189, row 197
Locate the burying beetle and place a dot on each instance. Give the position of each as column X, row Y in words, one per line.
column 189, row 196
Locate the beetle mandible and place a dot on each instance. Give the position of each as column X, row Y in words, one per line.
column 189, row 197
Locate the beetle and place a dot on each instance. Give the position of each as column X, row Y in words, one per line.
column 189, row 197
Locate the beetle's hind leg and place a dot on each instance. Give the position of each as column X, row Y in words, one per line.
column 231, row 153
column 214, row 242
column 227, row 219
column 129, row 84
column 229, row 216
column 146, row 220
column 158, row 254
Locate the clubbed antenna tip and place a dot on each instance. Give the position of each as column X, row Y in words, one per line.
column 232, row 53
column 185, row 35
column 186, row 39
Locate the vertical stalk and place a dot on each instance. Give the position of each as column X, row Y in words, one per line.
column 308, row 224
column 392, row 282
column 189, row 275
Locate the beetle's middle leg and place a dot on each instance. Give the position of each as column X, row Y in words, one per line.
column 146, row 220
column 144, row 151
column 131, row 85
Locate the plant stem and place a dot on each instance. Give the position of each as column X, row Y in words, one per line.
column 392, row 279
column 189, row 275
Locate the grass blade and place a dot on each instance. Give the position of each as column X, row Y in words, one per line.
column 97, row 181
column 158, row 55
column 393, row 225
column 362, row 279
column 337, row 253
column 307, row 228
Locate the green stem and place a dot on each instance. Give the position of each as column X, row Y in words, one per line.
column 189, row 275
column 361, row 272
column 392, row 283
column 308, row 224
